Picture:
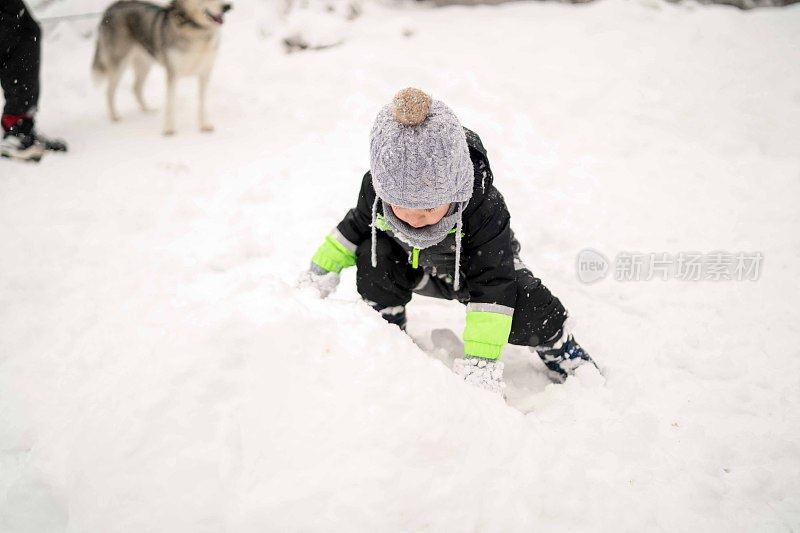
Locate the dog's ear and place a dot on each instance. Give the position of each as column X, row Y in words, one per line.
column 226, row 7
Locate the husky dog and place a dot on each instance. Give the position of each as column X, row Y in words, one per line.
column 183, row 37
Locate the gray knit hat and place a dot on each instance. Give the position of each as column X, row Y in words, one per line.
column 418, row 153
column 419, row 160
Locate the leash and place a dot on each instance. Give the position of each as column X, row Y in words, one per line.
column 70, row 17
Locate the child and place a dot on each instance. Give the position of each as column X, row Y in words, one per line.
column 430, row 221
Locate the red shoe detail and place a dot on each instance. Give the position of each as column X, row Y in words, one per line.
column 9, row 121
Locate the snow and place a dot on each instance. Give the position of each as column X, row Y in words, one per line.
column 159, row 371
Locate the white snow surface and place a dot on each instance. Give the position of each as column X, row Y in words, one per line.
column 159, row 371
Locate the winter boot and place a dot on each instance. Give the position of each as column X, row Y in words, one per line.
column 393, row 315
column 19, row 141
column 52, row 144
column 562, row 356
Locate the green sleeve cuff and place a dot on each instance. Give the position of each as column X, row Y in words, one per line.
column 333, row 256
column 486, row 333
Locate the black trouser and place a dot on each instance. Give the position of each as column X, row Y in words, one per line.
column 20, row 46
column 538, row 315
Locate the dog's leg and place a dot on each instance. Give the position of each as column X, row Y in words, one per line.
column 141, row 67
column 114, row 76
column 169, row 119
column 205, row 125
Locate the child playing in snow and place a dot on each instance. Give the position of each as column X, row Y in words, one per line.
column 430, row 221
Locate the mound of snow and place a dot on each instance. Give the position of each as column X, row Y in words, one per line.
column 228, row 414
column 317, row 25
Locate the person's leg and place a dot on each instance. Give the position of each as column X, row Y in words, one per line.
column 20, row 56
column 538, row 315
column 20, row 49
column 388, row 286
column 19, row 78
column 539, row 323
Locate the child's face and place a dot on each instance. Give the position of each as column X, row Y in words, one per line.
column 418, row 218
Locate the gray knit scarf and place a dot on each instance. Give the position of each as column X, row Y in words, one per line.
column 423, row 237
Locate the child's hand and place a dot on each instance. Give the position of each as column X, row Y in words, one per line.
column 321, row 281
column 483, row 373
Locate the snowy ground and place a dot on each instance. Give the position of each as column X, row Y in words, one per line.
column 158, row 372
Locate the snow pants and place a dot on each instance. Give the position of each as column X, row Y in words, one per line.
column 20, row 53
column 538, row 315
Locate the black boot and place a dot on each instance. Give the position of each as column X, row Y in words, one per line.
column 52, row 144
column 19, row 142
column 563, row 356
column 394, row 315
